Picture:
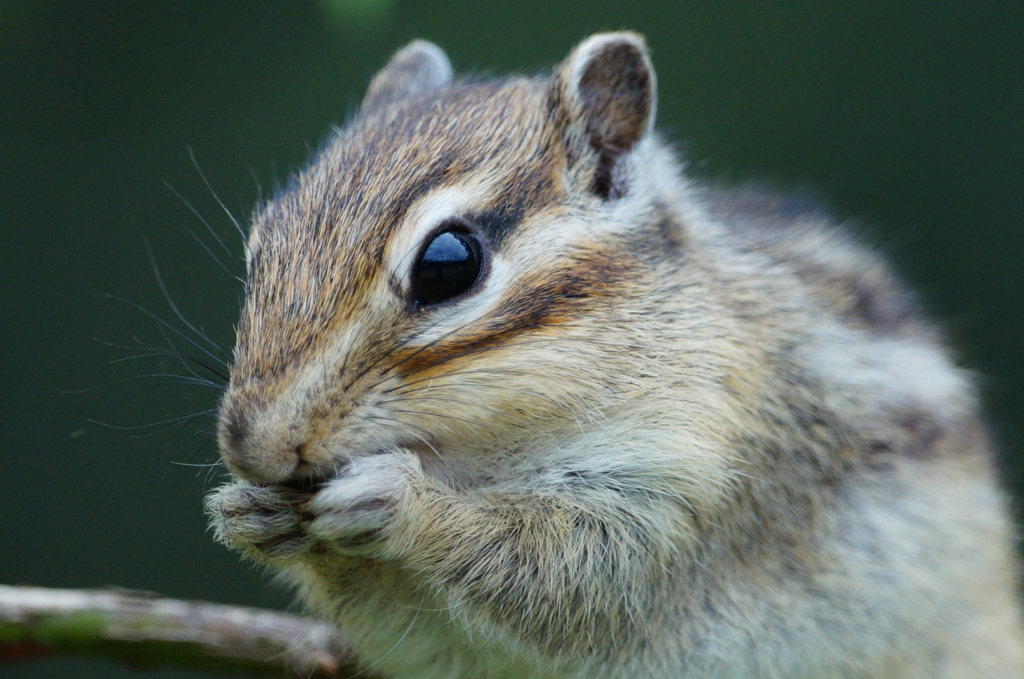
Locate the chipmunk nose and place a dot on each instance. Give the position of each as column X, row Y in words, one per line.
column 256, row 456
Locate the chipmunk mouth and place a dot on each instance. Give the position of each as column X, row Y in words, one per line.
column 309, row 477
column 306, row 481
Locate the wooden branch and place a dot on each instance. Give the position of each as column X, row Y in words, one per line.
column 146, row 630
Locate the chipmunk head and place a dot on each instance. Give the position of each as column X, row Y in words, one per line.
column 421, row 282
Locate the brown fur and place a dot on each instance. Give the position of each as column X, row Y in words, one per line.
column 669, row 431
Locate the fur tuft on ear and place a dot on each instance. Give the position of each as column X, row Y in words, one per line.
column 418, row 67
column 606, row 87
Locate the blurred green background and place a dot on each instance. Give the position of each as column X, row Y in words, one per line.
column 907, row 116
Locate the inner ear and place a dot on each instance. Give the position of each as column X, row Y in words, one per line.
column 608, row 86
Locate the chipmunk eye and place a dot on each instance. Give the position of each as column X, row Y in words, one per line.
column 446, row 268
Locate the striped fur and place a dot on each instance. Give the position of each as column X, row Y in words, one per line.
column 671, row 431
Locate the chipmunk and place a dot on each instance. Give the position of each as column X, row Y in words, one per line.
column 514, row 397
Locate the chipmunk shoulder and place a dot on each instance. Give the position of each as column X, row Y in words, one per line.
column 514, row 397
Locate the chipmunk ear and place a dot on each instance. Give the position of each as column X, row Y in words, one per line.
column 418, row 67
column 605, row 90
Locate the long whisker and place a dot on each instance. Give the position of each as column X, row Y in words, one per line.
column 184, row 359
column 202, row 220
column 207, row 366
column 258, row 184
column 180, row 379
column 373, row 364
column 154, row 351
column 178, row 427
column 202, row 175
column 184, row 417
column 162, row 322
column 214, row 257
column 210, row 472
column 170, row 301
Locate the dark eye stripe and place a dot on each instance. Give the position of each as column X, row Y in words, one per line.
column 544, row 298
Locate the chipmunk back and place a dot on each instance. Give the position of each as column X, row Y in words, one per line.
column 513, row 397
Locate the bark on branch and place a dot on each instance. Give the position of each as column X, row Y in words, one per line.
column 146, row 630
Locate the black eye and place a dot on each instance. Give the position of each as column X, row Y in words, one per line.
column 449, row 266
